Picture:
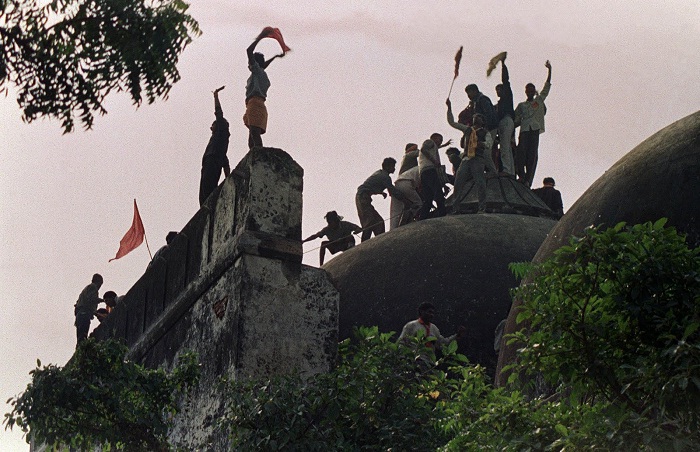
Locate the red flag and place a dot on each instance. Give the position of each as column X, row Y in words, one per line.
column 276, row 34
column 133, row 237
column 458, row 59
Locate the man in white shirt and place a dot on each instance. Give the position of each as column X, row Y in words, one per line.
column 529, row 115
column 428, row 166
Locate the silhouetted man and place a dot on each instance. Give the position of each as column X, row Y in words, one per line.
column 550, row 196
column 505, row 115
column 86, row 306
column 375, row 184
column 476, row 158
column 339, row 235
column 529, row 115
column 410, row 157
column 403, row 212
column 428, row 166
column 215, row 159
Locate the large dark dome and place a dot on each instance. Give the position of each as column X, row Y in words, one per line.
column 459, row 263
column 659, row 178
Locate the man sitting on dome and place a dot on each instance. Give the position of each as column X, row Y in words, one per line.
column 550, row 196
column 339, row 235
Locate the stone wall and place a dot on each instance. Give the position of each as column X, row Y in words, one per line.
column 231, row 287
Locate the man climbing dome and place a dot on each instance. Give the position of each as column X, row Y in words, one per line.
column 255, row 117
column 375, row 184
column 339, row 235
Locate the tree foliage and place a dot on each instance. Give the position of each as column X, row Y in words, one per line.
column 615, row 317
column 377, row 398
column 99, row 398
column 615, row 331
column 66, row 56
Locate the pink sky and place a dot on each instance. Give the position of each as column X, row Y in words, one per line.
column 363, row 79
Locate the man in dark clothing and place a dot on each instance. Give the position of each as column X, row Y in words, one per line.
column 505, row 114
column 86, row 306
column 550, row 196
column 339, row 235
column 484, row 107
column 215, row 159
column 410, row 158
column 375, row 184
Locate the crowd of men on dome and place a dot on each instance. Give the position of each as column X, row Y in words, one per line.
column 489, row 150
column 488, row 145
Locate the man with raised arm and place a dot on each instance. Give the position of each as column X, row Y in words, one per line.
column 529, row 115
column 255, row 117
column 214, row 159
column 505, row 115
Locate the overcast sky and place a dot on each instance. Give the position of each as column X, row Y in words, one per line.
column 362, row 80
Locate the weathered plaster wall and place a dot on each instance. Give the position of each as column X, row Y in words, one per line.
column 232, row 288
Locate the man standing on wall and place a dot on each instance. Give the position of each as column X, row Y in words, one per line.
column 255, row 117
column 529, row 115
column 86, row 306
column 215, row 159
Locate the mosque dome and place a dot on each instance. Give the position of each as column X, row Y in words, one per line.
column 658, row 178
column 457, row 262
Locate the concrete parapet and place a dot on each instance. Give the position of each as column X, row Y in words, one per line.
column 231, row 287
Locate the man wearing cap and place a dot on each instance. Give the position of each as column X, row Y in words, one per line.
column 550, row 196
column 339, row 235
column 86, row 306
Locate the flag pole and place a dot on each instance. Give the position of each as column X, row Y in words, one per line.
column 147, row 247
column 453, row 84
column 458, row 59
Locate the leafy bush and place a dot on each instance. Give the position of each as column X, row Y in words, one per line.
column 380, row 396
column 615, row 316
column 101, row 399
column 614, row 320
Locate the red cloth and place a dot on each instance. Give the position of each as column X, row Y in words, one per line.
column 458, row 59
column 276, row 34
column 133, row 237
